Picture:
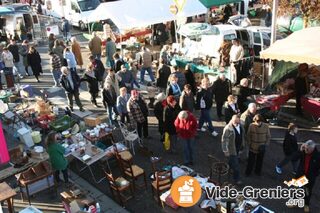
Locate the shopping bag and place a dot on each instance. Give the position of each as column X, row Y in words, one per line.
column 166, row 142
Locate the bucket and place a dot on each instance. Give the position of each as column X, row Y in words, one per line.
column 36, row 136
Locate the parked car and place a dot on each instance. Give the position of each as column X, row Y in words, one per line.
column 254, row 38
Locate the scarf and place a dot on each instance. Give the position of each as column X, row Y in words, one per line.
column 176, row 89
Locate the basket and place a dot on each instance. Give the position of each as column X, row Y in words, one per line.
column 62, row 124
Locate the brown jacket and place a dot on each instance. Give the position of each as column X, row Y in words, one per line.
column 257, row 136
column 95, row 45
column 76, row 49
column 146, row 59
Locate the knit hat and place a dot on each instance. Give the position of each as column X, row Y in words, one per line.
column 170, row 99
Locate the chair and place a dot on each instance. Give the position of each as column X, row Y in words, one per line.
column 129, row 136
column 162, row 182
column 132, row 172
column 218, row 167
column 125, row 155
column 36, row 179
column 118, row 186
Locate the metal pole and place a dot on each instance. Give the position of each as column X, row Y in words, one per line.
column 274, row 21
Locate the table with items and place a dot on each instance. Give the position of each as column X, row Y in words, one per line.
column 312, row 106
column 206, row 204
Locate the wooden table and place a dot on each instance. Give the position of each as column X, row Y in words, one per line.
column 95, row 153
column 7, row 193
column 103, row 134
column 11, row 171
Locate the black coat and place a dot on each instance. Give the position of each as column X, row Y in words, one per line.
column 290, row 144
column 66, row 85
column 34, row 62
column 191, row 80
column 301, row 86
column 93, row 83
column 207, row 95
column 170, row 114
column 118, row 64
column 222, row 89
column 14, row 49
column 164, row 72
column 99, row 69
column 109, row 97
column 229, row 112
column 314, row 166
column 243, row 93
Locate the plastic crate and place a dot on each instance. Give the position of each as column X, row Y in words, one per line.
column 62, row 124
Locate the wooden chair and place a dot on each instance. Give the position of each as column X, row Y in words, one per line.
column 118, row 186
column 162, row 182
column 132, row 172
column 125, row 155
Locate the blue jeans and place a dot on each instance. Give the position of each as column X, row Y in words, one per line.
column 135, row 82
column 188, row 148
column 235, row 166
column 56, row 73
column 142, row 72
column 110, row 63
column 205, row 117
column 112, row 112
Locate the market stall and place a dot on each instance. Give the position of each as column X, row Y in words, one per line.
column 300, row 47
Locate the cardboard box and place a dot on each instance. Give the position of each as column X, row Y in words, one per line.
column 92, row 121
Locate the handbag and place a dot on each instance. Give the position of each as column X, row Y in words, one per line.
column 2, row 66
column 166, row 142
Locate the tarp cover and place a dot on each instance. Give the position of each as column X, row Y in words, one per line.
column 5, row 10
column 301, row 47
column 211, row 3
column 128, row 14
column 281, row 70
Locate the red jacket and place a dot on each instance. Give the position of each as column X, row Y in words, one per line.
column 186, row 128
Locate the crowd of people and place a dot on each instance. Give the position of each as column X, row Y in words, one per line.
column 182, row 106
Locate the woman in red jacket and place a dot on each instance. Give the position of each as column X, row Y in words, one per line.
column 186, row 128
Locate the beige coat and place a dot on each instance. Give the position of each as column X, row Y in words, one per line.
column 228, row 139
column 76, row 49
column 95, row 45
column 146, row 57
column 257, row 136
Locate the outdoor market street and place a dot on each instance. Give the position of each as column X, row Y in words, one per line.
column 205, row 144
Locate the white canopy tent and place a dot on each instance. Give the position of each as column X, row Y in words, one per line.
column 302, row 47
column 128, row 14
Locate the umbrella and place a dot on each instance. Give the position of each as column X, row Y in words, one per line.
column 301, row 47
column 194, row 30
column 6, row 10
column 211, row 3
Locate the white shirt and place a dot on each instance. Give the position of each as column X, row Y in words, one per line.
column 236, row 53
column 233, row 106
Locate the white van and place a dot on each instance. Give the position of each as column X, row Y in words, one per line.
column 255, row 38
column 76, row 12
column 28, row 17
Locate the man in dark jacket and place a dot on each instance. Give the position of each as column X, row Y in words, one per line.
column 310, row 167
column 158, row 108
column 70, row 82
column 163, row 74
column 221, row 88
column 14, row 49
column 204, row 103
column 301, row 86
column 170, row 114
column 243, row 92
column 98, row 68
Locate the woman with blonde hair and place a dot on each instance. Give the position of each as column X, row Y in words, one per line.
column 231, row 108
column 76, row 49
